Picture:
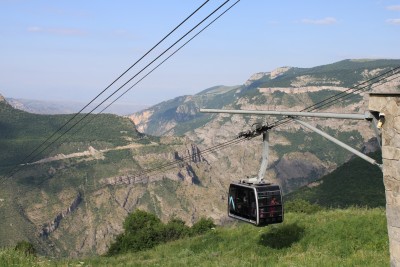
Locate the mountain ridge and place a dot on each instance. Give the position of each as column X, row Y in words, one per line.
column 49, row 107
column 342, row 75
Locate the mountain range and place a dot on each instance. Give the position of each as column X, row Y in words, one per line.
column 71, row 199
column 68, row 107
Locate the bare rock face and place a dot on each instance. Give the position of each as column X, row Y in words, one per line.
column 50, row 227
column 186, row 111
column 279, row 71
column 256, row 77
column 272, row 75
column 2, row 99
column 141, row 120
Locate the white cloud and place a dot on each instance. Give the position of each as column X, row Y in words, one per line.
column 393, row 21
column 324, row 21
column 34, row 29
column 57, row 31
column 393, row 8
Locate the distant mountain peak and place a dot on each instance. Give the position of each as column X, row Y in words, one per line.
column 255, row 77
column 272, row 75
column 279, row 71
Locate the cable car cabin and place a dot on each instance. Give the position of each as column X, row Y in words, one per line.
column 258, row 204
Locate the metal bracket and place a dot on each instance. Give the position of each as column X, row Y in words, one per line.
column 376, row 118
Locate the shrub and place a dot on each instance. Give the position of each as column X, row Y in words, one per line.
column 140, row 220
column 202, row 226
column 144, row 230
column 175, row 229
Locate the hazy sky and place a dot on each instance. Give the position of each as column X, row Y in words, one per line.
column 71, row 50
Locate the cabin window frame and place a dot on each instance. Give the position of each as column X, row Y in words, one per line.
column 235, row 203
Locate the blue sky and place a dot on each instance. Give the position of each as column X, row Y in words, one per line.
column 71, row 50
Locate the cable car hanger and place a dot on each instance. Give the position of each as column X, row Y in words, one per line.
column 254, row 200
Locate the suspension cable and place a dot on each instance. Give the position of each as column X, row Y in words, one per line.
column 16, row 169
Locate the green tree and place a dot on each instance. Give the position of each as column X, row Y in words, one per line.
column 175, row 229
column 142, row 231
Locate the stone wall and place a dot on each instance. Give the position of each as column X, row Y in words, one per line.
column 389, row 104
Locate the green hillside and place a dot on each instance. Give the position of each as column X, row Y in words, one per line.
column 22, row 132
column 41, row 191
column 351, row 237
column 355, row 183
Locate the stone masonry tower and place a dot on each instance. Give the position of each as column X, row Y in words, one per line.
column 388, row 105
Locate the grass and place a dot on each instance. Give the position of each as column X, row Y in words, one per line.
column 350, row 237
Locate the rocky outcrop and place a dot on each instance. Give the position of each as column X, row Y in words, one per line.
column 186, row 111
column 272, row 75
column 279, row 71
column 50, row 227
column 188, row 175
column 126, row 179
column 193, row 153
column 141, row 119
column 256, row 77
column 301, row 89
